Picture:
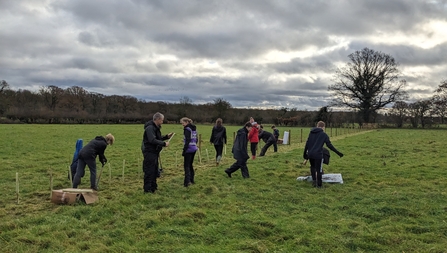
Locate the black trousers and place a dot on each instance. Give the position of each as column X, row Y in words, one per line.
column 80, row 170
column 189, row 168
column 316, row 170
column 150, row 169
column 219, row 150
column 266, row 146
column 253, row 147
column 240, row 164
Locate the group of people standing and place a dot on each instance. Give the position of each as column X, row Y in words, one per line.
column 257, row 133
column 153, row 143
column 313, row 150
column 253, row 132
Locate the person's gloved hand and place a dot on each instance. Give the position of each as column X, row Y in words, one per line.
column 305, row 156
column 340, row 154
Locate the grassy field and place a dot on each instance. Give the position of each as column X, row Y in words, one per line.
column 393, row 198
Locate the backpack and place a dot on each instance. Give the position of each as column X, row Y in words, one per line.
column 74, row 161
column 326, row 156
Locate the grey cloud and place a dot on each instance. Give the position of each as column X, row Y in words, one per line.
column 155, row 49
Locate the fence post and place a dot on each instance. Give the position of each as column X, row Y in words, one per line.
column 290, row 135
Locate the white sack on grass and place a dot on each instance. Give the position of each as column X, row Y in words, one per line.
column 327, row 178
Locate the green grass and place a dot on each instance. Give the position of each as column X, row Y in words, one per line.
column 393, row 198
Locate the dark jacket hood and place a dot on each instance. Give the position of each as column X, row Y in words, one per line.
column 100, row 138
column 316, row 130
column 192, row 126
column 151, row 122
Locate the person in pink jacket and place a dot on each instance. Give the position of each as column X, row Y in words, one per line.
column 253, row 137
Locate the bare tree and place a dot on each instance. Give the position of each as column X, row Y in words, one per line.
column 368, row 83
column 419, row 111
column 221, row 106
column 440, row 101
column 3, row 86
column 51, row 95
column 399, row 113
column 184, row 107
column 97, row 100
column 185, row 100
column 323, row 114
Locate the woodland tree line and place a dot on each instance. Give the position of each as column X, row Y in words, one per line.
column 369, row 87
column 75, row 105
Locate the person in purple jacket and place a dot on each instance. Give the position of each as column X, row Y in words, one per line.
column 189, row 149
column 313, row 151
column 87, row 156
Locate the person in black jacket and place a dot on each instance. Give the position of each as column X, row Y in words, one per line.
column 219, row 139
column 314, row 152
column 240, row 152
column 87, row 156
column 276, row 134
column 268, row 138
column 153, row 143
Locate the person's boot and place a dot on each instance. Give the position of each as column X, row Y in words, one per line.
column 228, row 173
column 218, row 160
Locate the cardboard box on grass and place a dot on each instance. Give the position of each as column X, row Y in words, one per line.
column 71, row 195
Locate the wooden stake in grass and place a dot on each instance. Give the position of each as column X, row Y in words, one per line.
column 200, row 157
column 207, row 156
column 124, row 163
column 110, row 173
column 139, row 171
column 51, row 183
column 69, row 173
column 17, row 186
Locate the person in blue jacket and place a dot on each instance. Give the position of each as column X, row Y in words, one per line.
column 87, row 156
column 313, row 151
column 240, row 152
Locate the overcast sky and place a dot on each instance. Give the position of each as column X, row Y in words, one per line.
column 252, row 53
